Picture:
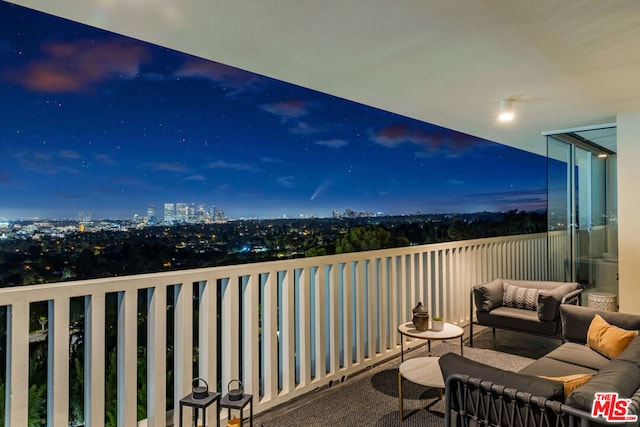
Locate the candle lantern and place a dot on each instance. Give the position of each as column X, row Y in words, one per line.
column 199, row 399
column 237, row 399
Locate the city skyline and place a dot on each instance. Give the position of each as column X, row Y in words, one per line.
column 97, row 122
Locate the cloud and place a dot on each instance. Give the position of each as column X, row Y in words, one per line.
column 67, row 196
column 224, row 75
column 195, row 178
column 303, row 128
column 171, row 167
column 286, row 181
column 76, row 66
column 394, row 135
column 436, row 140
column 266, row 159
column 333, row 143
column 221, row 164
column 104, row 159
column 287, row 110
column 41, row 162
column 69, row 154
column 135, row 182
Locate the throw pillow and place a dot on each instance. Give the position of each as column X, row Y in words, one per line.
column 570, row 382
column 608, row 340
column 519, row 297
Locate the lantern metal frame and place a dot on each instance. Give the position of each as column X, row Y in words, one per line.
column 239, row 405
column 197, row 404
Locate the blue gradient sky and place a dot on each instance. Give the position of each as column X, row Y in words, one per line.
column 96, row 122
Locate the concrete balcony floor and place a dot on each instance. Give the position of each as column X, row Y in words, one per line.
column 383, row 377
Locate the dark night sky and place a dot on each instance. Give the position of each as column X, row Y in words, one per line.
column 96, row 122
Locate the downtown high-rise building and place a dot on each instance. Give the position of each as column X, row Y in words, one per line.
column 169, row 212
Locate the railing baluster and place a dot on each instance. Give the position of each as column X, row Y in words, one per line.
column 348, row 318
column 127, row 357
column 270, row 336
column 288, row 332
column 183, row 346
column 304, row 355
column 251, row 337
column 369, row 284
column 156, row 356
column 94, row 359
column 58, row 363
column 17, row 406
column 322, row 281
column 356, row 270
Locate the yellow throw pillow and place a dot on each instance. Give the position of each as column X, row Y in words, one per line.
column 570, row 382
column 606, row 339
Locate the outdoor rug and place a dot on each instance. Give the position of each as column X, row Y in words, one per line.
column 371, row 398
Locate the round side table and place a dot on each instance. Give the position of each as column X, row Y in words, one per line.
column 449, row 331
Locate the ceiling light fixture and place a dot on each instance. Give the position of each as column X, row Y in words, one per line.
column 506, row 110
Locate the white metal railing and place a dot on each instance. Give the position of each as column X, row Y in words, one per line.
column 284, row 328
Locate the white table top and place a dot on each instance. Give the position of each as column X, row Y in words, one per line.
column 449, row 331
column 423, row 370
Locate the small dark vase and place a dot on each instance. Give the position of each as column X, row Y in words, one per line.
column 421, row 317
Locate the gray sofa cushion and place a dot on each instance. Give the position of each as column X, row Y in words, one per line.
column 576, row 321
column 632, row 352
column 488, row 296
column 617, row 376
column 452, row 363
column 579, row 355
column 518, row 319
column 555, row 368
column 568, row 359
column 549, row 301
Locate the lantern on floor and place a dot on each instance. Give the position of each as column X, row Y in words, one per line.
column 199, row 399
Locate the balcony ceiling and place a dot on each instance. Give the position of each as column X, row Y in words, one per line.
column 565, row 63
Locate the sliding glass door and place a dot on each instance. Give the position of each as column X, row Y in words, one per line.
column 582, row 211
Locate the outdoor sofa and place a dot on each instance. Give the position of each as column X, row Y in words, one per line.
column 531, row 306
column 600, row 354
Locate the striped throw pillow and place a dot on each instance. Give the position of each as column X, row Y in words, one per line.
column 519, row 297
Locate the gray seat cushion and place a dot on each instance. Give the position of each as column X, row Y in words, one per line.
column 580, row 355
column 555, row 368
column 518, row 319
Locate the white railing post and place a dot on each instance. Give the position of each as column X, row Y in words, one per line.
column 94, row 359
column 182, row 346
column 17, row 385
column 270, row 336
column 58, row 363
column 359, row 288
column 251, row 336
column 305, row 295
column 127, row 356
column 156, row 356
column 330, row 326
column 287, row 331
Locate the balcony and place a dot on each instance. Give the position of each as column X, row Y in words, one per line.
column 285, row 328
